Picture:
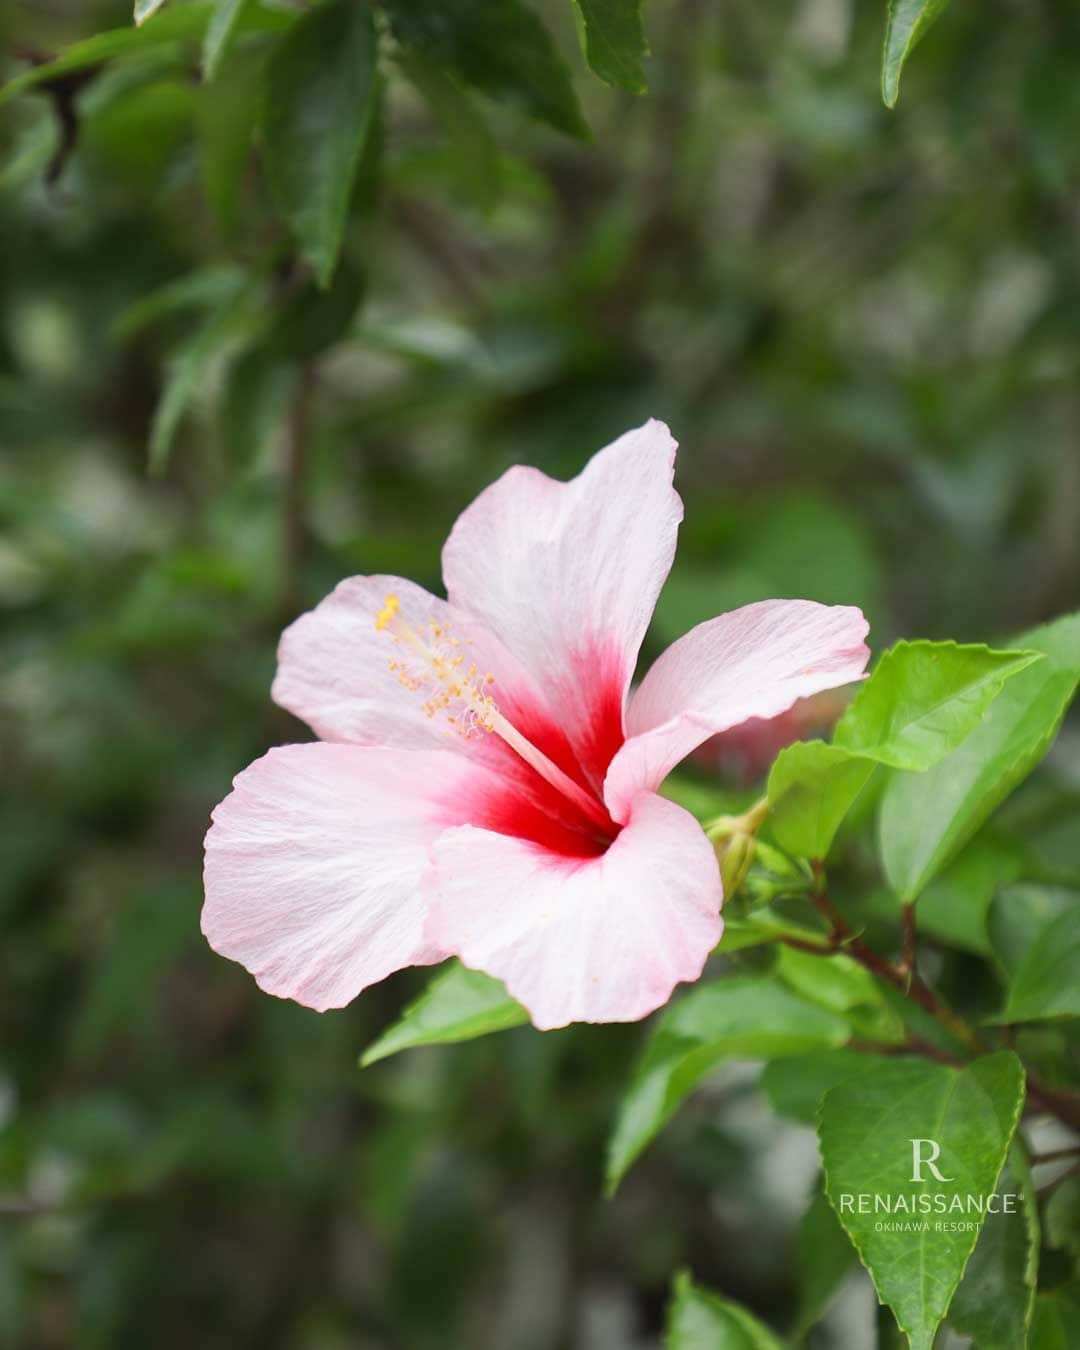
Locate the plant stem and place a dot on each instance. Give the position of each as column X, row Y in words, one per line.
column 1056, row 1156
column 1055, row 1101
column 902, row 978
column 907, row 961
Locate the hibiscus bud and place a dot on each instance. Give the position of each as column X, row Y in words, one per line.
column 736, row 853
column 734, row 839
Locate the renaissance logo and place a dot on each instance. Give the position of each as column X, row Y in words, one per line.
column 926, row 1211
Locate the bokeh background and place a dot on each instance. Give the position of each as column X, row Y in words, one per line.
column 861, row 326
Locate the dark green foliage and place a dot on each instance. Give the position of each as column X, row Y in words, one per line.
column 330, row 268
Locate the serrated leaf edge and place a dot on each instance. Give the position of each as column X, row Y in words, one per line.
column 1018, row 1111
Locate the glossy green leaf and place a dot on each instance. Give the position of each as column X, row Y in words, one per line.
column 927, row 818
column 144, row 8
column 700, row 1320
column 921, row 702
column 1018, row 914
column 796, row 1086
column 923, row 699
column 869, row 1129
column 458, row 1005
column 319, row 100
column 227, row 116
column 744, row 1016
column 499, row 47
column 763, row 925
column 824, row 1256
column 615, row 41
column 996, row 1297
column 955, row 907
column 220, row 31
column 1047, row 981
column 841, row 985
column 907, row 23
column 1055, row 1323
column 812, row 786
column 1063, row 1215
column 178, row 26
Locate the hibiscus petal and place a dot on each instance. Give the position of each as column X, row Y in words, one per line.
column 334, row 667
column 754, row 662
column 567, row 575
column 599, row 940
column 313, row 865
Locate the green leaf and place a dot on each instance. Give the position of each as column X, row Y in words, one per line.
column 868, row 1130
column 743, row 1016
column 189, row 366
column 907, row 23
column 996, row 1297
column 319, row 100
column 201, row 288
column 1018, row 914
column 615, row 41
column 227, row 115
column 812, row 786
column 1045, row 983
column 843, row 986
column 763, row 925
column 796, row 1086
column 498, row 46
column 308, row 320
column 220, row 31
column 258, row 392
column 458, row 1005
column 955, row 907
column 475, row 153
column 927, row 818
column 144, row 8
column 1055, row 1324
column 1063, row 1216
column 824, row 1255
column 700, row 1320
column 173, row 27
column 923, row 699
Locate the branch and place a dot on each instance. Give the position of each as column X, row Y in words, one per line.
column 1056, row 1156
column 905, row 979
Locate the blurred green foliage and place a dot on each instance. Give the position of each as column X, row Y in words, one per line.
column 861, row 325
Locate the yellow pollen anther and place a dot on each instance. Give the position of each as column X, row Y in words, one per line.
column 385, row 616
column 430, row 660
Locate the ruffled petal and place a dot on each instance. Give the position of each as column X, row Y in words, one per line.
column 334, row 666
column 313, row 864
column 754, row 662
column 566, row 575
column 335, row 672
column 581, row 940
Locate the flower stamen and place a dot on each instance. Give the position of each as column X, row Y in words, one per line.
column 434, row 663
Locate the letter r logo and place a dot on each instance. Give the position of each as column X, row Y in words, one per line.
column 919, row 1158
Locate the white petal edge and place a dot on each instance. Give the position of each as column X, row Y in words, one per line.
column 313, row 866
column 752, row 662
column 581, row 940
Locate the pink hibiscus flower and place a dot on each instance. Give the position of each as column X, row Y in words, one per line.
column 485, row 785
